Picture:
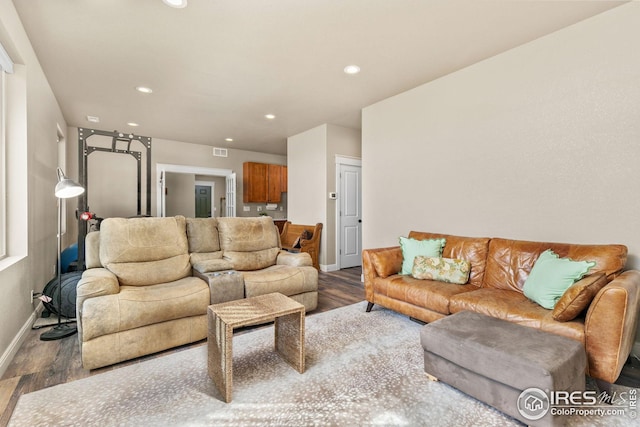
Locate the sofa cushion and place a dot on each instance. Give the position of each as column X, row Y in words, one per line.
column 414, row 247
column 136, row 306
column 249, row 243
column 429, row 294
column 145, row 251
column 284, row 279
column 441, row 269
column 472, row 249
column 510, row 261
column 92, row 250
column 255, row 260
column 294, row 259
column 203, row 235
column 198, row 257
column 514, row 307
column 578, row 297
column 501, row 303
column 247, row 234
column 551, row 276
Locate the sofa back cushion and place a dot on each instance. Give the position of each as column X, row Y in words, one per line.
column 510, row 261
column 145, row 251
column 203, row 235
column 472, row 249
column 204, row 243
column 92, row 250
column 249, row 243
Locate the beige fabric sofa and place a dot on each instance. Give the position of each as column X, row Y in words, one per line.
column 139, row 296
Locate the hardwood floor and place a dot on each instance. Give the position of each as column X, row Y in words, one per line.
column 40, row 364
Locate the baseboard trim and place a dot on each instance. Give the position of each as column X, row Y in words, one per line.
column 18, row 340
column 328, row 267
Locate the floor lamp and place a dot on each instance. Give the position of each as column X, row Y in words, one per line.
column 65, row 189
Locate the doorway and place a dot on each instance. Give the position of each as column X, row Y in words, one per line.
column 205, row 207
column 165, row 171
column 349, row 224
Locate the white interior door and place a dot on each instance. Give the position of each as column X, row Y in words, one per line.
column 350, row 216
column 231, row 195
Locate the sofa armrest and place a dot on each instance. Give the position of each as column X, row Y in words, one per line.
column 380, row 262
column 297, row 259
column 96, row 282
column 212, row 265
column 610, row 326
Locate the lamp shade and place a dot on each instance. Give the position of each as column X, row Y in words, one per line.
column 67, row 188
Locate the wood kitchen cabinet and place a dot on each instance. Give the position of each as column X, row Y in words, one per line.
column 274, row 183
column 262, row 182
column 284, row 176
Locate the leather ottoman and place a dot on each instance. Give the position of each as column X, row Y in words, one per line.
column 503, row 364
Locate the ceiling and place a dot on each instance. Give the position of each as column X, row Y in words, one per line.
column 217, row 67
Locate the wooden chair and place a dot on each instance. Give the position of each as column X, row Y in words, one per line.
column 292, row 240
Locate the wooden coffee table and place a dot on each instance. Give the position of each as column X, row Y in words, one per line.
column 225, row 317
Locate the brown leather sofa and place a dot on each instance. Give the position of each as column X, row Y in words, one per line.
column 499, row 268
column 139, row 294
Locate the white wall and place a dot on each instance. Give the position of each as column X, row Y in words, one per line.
column 180, row 198
column 307, row 174
column 112, row 188
column 34, row 131
column 312, row 175
column 538, row 143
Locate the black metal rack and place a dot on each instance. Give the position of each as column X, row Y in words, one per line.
column 85, row 149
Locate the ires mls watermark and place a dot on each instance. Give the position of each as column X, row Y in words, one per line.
column 534, row 403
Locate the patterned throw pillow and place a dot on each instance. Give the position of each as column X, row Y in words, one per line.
column 441, row 269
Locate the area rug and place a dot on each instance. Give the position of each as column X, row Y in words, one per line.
column 362, row 369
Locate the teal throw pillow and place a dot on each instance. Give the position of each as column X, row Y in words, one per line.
column 412, row 248
column 551, row 276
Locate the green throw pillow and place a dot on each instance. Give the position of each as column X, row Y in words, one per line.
column 412, row 248
column 551, row 276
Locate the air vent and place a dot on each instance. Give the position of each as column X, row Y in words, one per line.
column 220, row 152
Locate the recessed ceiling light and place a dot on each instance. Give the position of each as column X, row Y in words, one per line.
column 229, row 139
column 178, row 4
column 134, row 124
column 144, row 89
column 270, row 116
column 352, row 69
column 93, row 119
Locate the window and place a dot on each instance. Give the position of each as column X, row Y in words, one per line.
column 3, row 169
column 6, row 66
